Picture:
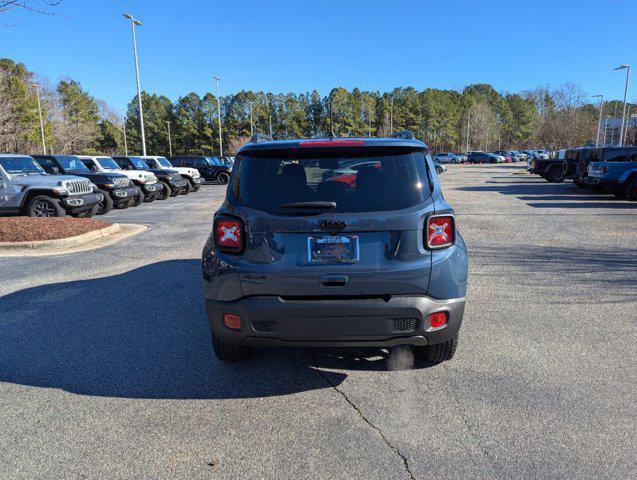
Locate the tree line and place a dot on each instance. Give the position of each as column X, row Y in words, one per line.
column 479, row 117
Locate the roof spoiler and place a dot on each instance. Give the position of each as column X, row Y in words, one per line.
column 404, row 134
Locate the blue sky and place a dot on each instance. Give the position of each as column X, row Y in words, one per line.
column 296, row 46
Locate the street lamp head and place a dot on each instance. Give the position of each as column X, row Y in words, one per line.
column 597, row 96
column 130, row 17
column 216, row 78
column 621, row 67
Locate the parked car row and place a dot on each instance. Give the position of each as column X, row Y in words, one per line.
column 85, row 185
column 607, row 169
column 501, row 156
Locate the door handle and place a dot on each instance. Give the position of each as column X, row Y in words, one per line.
column 334, row 281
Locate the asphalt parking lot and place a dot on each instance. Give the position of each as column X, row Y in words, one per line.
column 106, row 366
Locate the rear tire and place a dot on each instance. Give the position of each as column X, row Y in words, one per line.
column 619, row 191
column 223, row 178
column 105, row 205
column 578, row 182
column 188, row 188
column 43, row 206
column 229, row 353
column 166, row 191
column 631, row 190
column 556, row 175
column 439, row 352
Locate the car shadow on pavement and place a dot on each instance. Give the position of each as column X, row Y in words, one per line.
column 144, row 334
column 552, row 195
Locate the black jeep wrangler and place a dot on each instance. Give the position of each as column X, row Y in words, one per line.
column 550, row 169
column 117, row 189
column 173, row 184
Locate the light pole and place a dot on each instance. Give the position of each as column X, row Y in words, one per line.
column 369, row 120
column 605, row 130
column 37, row 92
column 134, row 22
column 219, row 116
column 599, row 123
column 621, row 131
column 270, row 121
column 170, row 143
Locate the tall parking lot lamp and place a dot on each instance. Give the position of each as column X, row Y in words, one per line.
column 219, row 116
column 621, row 131
column 599, row 123
column 133, row 23
column 37, row 92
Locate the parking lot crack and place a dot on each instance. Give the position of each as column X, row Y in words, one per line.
column 472, row 431
column 362, row 415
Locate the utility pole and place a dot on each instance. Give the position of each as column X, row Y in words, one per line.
column 37, row 92
column 621, row 131
column 270, row 122
column 369, row 120
column 170, row 143
column 599, row 122
column 605, row 129
column 219, row 116
column 134, row 22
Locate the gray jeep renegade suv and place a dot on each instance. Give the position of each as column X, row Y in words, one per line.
column 335, row 242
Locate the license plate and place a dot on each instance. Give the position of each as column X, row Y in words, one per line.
column 333, row 249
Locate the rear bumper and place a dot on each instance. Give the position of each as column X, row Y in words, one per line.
column 274, row 321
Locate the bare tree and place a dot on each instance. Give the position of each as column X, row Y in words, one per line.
column 36, row 6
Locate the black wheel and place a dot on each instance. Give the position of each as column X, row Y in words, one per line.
column 141, row 198
column 91, row 212
column 578, row 182
column 619, row 191
column 631, row 191
column 229, row 353
column 166, row 191
column 125, row 205
column 43, row 206
column 556, row 175
column 196, row 187
column 105, row 205
column 188, row 188
column 150, row 198
column 223, row 178
column 439, row 352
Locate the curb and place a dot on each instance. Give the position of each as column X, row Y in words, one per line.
column 59, row 243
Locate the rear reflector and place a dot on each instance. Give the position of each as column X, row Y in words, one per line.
column 331, row 143
column 228, row 234
column 438, row 319
column 232, row 321
column 440, row 231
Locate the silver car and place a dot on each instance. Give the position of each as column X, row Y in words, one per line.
column 26, row 189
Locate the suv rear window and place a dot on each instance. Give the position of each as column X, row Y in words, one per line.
column 356, row 181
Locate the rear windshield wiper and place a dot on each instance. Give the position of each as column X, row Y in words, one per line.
column 313, row 205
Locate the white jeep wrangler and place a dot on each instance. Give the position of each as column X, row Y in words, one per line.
column 146, row 181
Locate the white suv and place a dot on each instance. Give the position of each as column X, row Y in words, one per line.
column 144, row 180
column 192, row 175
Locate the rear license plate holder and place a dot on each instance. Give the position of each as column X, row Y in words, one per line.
column 332, row 249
